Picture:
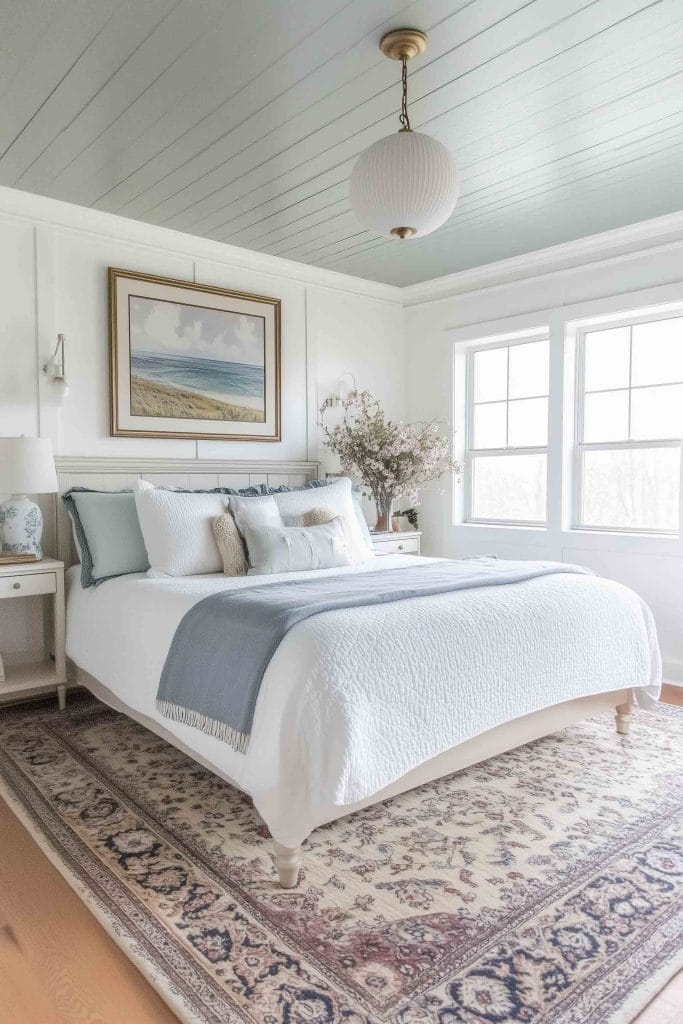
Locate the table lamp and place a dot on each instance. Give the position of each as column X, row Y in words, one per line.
column 27, row 467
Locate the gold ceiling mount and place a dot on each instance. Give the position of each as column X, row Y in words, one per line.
column 403, row 44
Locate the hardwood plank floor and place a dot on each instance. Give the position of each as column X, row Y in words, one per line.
column 59, row 966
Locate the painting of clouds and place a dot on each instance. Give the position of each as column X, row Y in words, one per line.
column 195, row 362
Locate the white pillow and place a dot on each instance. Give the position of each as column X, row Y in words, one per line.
column 296, row 548
column 339, row 497
column 253, row 513
column 177, row 528
column 360, row 517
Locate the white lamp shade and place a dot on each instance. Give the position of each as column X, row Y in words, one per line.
column 407, row 180
column 27, row 466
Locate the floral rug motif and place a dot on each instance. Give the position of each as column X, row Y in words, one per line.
column 540, row 887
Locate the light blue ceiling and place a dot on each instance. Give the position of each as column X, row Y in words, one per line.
column 240, row 121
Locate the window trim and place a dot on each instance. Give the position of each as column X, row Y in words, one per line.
column 470, row 453
column 580, row 447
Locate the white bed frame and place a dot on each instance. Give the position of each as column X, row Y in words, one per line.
column 118, row 474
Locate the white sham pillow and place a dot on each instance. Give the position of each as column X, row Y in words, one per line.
column 360, row 518
column 338, row 496
column 252, row 513
column 275, row 549
column 177, row 528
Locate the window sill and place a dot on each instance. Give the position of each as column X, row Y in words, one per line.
column 482, row 524
column 645, row 535
column 553, row 541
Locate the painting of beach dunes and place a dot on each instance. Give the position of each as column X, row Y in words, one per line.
column 192, row 360
column 194, row 363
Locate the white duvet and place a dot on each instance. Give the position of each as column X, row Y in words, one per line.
column 353, row 699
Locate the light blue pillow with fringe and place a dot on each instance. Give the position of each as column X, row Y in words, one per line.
column 107, row 533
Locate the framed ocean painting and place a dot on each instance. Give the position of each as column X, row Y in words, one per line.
column 192, row 361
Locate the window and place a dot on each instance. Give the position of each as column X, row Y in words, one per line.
column 629, row 426
column 507, row 432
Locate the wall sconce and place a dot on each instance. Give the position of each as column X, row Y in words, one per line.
column 334, row 400
column 54, row 370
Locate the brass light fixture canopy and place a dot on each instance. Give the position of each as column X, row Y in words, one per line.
column 404, row 232
column 403, row 43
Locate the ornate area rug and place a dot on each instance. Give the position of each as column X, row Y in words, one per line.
column 539, row 886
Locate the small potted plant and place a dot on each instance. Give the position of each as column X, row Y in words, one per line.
column 392, row 459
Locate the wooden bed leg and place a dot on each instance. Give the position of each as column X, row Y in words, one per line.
column 623, row 717
column 287, row 862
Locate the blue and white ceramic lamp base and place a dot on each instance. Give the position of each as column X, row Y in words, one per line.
column 21, row 523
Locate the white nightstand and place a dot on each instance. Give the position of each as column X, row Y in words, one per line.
column 20, row 679
column 397, row 542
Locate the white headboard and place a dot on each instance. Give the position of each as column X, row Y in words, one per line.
column 110, row 474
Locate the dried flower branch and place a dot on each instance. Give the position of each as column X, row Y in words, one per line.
column 392, row 459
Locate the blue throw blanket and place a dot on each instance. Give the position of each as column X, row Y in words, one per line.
column 222, row 646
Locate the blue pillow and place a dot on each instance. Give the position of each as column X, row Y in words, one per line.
column 107, row 533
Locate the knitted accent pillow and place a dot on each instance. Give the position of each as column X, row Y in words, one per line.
column 317, row 516
column 230, row 545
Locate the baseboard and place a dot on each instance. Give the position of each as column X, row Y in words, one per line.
column 672, row 672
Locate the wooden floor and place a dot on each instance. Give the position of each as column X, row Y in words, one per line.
column 58, row 966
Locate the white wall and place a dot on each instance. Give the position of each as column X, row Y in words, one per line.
column 520, row 294
column 53, row 278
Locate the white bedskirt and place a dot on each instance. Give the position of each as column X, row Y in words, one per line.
column 355, row 698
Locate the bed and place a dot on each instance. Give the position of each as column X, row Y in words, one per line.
column 360, row 704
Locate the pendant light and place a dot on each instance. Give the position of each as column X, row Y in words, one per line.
column 405, row 185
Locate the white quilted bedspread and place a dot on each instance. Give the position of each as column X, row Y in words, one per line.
column 355, row 698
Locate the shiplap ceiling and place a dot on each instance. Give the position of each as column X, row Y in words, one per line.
column 240, row 120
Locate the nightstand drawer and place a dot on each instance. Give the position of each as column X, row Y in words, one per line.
column 28, row 584
column 408, row 546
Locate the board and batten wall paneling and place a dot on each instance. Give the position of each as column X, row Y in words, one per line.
column 18, row 347
column 365, row 338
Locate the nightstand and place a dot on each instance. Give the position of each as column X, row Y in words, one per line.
column 405, row 542
column 21, row 678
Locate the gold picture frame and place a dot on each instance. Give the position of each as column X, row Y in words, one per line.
column 192, row 361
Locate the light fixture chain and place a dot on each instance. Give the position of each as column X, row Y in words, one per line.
column 403, row 117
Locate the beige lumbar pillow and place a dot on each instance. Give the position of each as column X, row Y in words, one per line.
column 230, row 545
column 317, row 516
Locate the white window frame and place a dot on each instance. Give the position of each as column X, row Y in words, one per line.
column 581, row 446
column 472, row 453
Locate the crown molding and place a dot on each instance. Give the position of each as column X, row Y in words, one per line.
column 97, row 223
column 107, row 464
column 661, row 234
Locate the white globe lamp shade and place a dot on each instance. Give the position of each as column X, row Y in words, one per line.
column 404, row 185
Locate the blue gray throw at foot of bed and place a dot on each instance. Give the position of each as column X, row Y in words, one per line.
column 222, row 646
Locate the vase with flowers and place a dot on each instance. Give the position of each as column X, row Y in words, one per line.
column 392, row 459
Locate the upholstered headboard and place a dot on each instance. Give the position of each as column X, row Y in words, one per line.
column 118, row 474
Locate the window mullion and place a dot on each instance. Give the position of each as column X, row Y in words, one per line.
column 507, row 399
column 630, row 375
